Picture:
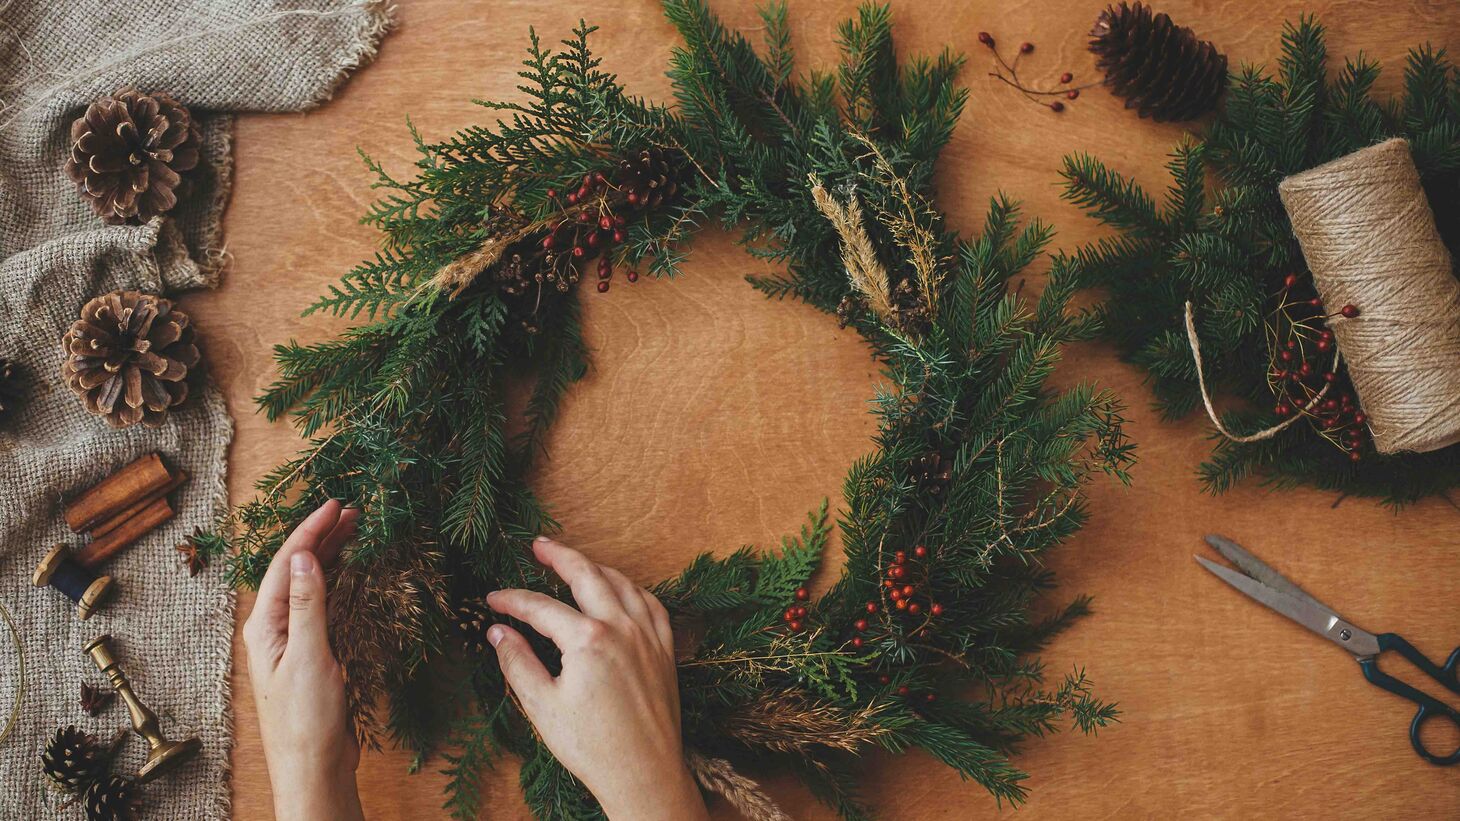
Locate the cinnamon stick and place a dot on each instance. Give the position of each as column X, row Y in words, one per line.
column 126, row 533
column 114, row 522
column 117, row 492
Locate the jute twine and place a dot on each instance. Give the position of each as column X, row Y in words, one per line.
column 1370, row 240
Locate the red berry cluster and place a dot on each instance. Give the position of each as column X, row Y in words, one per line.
column 1007, row 72
column 904, row 690
column 1301, row 374
column 904, row 593
column 795, row 615
column 588, row 228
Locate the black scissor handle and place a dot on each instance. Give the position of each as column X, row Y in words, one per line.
column 1428, row 707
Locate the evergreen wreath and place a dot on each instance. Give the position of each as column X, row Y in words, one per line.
column 1229, row 249
column 926, row 639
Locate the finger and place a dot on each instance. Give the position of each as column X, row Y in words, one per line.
column 308, row 621
column 274, row 589
column 594, row 595
column 546, row 614
column 330, row 547
column 630, row 596
column 520, row 666
column 662, row 627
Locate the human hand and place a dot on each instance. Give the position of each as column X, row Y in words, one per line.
column 612, row 716
column 298, row 686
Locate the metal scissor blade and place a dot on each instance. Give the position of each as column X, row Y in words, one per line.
column 1304, row 611
column 1258, row 569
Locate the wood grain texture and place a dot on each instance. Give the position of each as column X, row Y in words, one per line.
column 714, row 418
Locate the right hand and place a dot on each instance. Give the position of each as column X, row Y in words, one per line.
column 612, row 716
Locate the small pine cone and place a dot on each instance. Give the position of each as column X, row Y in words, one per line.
column 127, row 357
column 73, row 759
column 129, row 152
column 1159, row 68
column 650, row 177
column 932, row 472
column 471, row 619
column 9, row 387
column 113, row 799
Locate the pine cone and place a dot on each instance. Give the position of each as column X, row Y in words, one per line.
column 471, row 619
column 1160, row 69
column 932, row 472
column 129, row 152
column 113, row 799
column 73, row 759
column 649, row 177
column 127, row 357
column 9, row 386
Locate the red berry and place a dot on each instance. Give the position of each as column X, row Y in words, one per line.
column 582, row 216
column 860, row 624
column 887, row 582
column 552, row 193
column 1323, row 344
column 900, row 557
column 800, row 612
column 1290, row 280
column 871, row 607
column 1360, row 419
column 1026, row 47
column 594, row 240
column 903, row 690
column 1282, row 409
column 1326, row 335
column 900, row 603
column 1072, row 94
column 857, row 642
column 1066, row 77
column 547, row 242
column 602, row 285
column 1330, row 404
column 1056, row 106
column 618, row 236
column 908, row 590
column 632, row 276
column 930, row 697
column 579, row 251
column 633, row 198
column 1350, row 311
column 795, row 626
column 1330, row 376
column 788, row 615
column 895, row 594
column 1286, row 356
column 986, row 38
column 572, row 199
column 914, row 609
column 604, row 222
column 802, row 594
column 1353, row 456
column 936, row 609
column 898, row 572
column 1306, row 369
column 1316, row 302
column 884, row 679
column 920, row 551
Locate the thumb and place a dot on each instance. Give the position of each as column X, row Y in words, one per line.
column 308, row 622
column 520, row 666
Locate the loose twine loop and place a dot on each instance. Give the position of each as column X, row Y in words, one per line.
column 19, row 676
column 1370, row 241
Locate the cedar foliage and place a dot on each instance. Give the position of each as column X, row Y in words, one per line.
column 1221, row 239
column 405, row 418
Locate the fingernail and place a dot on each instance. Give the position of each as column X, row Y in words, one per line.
column 301, row 563
column 542, row 539
column 495, row 635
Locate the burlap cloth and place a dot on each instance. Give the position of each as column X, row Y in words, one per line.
column 173, row 632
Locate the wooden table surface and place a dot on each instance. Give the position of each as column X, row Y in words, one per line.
column 715, row 418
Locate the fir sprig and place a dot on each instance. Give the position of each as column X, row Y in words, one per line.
column 1229, row 248
column 406, row 417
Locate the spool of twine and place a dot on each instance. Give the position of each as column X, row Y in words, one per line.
column 1370, row 241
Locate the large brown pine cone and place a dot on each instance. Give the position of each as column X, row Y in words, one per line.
column 1159, row 68
column 649, row 177
column 127, row 357
column 73, row 759
column 129, row 153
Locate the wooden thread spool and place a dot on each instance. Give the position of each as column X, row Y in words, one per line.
column 1369, row 238
column 74, row 581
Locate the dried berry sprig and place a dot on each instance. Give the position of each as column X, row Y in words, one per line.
column 1007, row 72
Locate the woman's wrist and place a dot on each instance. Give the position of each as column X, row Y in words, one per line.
column 300, row 795
column 673, row 798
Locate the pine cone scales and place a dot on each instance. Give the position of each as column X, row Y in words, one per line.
column 471, row 620
column 73, row 759
column 113, row 799
column 649, row 177
column 1160, row 69
column 127, row 357
column 129, row 152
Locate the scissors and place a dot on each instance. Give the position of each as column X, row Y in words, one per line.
column 1272, row 589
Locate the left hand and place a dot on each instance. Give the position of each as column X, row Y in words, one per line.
column 298, row 685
